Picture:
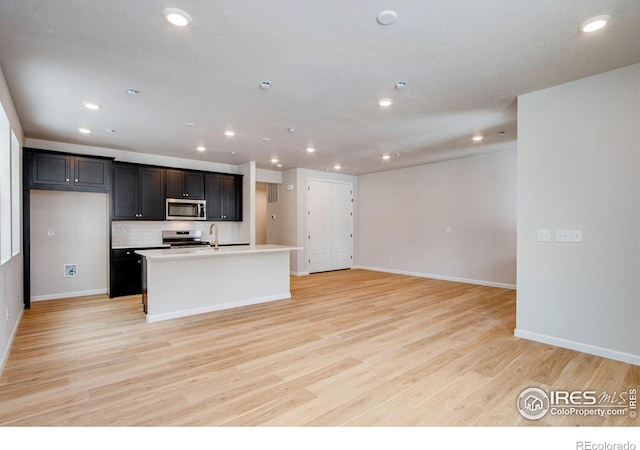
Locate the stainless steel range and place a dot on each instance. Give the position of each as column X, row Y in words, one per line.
column 184, row 238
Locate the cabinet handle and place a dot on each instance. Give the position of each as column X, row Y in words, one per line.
column 76, row 180
column 66, row 179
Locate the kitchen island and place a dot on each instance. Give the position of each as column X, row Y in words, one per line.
column 184, row 282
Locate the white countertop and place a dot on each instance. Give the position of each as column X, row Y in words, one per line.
column 161, row 246
column 208, row 252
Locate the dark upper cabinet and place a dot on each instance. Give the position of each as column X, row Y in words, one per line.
column 137, row 192
column 152, row 197
column 68, row 172
column 223, row 193
column 185, row 184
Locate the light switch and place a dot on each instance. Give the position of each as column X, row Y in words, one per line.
column 544, row 235
column 50, row 232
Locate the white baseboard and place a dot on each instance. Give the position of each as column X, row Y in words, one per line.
column 7, row 350
column 151, row 318
column 440, row 277
column 40, row 298
column 579, row 346
column 299, row 274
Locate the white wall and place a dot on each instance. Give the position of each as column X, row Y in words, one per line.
column 247, row 228
column 261, row 213
column 452, row 220
column 11, row 296
column 79, row 224
column 578, row 168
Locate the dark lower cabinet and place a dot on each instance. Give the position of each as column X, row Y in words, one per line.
column 126, row 273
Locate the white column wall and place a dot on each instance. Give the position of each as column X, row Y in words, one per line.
column 578, row 168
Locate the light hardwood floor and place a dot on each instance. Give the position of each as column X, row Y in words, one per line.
column 351, row 348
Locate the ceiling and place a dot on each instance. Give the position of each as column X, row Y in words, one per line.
column 328, row 63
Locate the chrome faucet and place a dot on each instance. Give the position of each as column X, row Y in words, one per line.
column 213, row 228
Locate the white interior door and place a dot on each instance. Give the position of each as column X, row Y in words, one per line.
column 329, row 225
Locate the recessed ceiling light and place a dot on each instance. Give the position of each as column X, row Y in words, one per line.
column 387, row 17
column 310, row 149
column 337, row 167
column 84, row 130
column 265, row 139
column 278, row 165
column 177, row 17
column 201, row 148
column 274, row 160
column 594, row 23
column 233, row 153
column 229, row 133
column 386, row 157
column 477, row 138
column 92, row 106
column 189, row 124
column 385, row 102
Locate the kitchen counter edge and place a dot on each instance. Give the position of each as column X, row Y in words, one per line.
column 180, row 253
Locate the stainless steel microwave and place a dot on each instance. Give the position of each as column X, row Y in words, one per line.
column 181, row 209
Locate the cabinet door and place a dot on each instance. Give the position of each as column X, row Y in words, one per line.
column 52, row 170
column 124, row 201
column 185, row 184
column 175, row 184
column 126, row 273
column 224, row 197
column 91, row 172
column 194, row 185
column 232, row 198
column 151, row 193
column 213, row 195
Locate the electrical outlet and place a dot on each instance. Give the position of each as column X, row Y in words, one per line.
column 70, row 270
column 568, row 235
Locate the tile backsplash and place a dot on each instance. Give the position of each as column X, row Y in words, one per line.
column 133, row 233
